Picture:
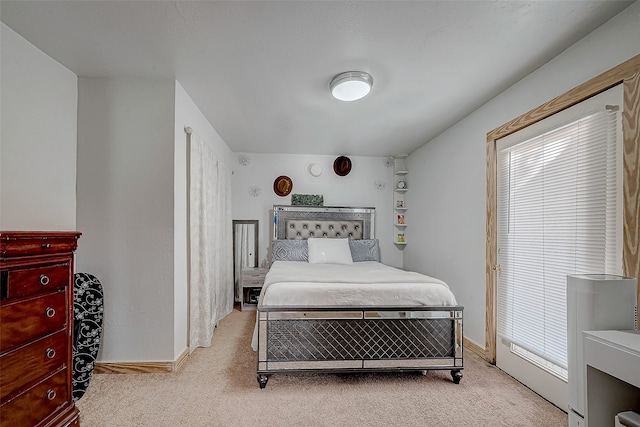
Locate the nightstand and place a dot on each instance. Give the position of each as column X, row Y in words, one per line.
column 251, row 281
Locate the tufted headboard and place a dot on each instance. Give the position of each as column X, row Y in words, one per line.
column 303, row 222
column 302, row 229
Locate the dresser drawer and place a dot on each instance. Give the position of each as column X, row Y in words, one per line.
column 28, row 281
column 248, row 281
column 14, row 244
column 31, row 318
column 254, row 274
column 253, row 277
column 35, row 404
column 25, row 366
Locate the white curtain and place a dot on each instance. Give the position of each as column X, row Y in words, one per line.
column 211, row 262
column 223, row 244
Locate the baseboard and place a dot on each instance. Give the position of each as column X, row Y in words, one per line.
column 141, row 367
column 181, row 359
column 470, row 345
column 133, row 367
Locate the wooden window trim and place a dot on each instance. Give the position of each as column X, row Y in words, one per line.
column 627, row 73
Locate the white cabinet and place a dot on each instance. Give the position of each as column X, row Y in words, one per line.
column 611, row 364
column 594, row 302
column 400, row 188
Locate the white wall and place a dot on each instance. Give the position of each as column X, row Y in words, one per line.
column 126, row 209
column 187, row 113
column 37, row 138
column 451, row 203
column 355, row 189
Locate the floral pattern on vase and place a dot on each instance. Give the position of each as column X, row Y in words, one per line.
column 88, row 313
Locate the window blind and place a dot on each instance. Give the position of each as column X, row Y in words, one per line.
column 558, row 214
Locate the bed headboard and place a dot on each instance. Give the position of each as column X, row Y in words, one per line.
column 303, row 222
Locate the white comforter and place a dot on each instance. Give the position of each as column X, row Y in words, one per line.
column 369, row 283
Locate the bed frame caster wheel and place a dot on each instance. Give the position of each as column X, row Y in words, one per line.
column 262, row 380
column 457, row 376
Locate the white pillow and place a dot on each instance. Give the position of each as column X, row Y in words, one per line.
column 329, row 251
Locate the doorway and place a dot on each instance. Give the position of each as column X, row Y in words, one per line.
column 558, row 200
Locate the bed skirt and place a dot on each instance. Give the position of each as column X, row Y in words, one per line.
column 359, row 339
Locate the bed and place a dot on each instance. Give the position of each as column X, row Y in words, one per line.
column 329, row 305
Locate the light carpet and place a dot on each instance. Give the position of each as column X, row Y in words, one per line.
column 217, row 386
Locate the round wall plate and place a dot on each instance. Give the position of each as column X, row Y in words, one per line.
column 342, row 166
column 314, row 169
column 282, row 186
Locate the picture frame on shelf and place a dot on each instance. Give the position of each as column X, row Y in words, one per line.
column 400, row 219
column 400, row 237
column 399, row 203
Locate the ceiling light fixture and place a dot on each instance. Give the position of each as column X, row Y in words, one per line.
column 351, row 85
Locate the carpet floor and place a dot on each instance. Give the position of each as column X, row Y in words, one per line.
column 217, row 386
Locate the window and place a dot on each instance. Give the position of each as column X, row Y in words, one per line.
column 559, row 213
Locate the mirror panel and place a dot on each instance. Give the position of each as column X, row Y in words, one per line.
column 245, row 249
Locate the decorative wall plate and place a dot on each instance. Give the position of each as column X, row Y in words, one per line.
column 282, row 186
column 342, row 166
column 314, row 169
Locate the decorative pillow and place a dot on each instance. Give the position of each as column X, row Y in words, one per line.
column 329, row 251
column 289, row 250
column 365, row 250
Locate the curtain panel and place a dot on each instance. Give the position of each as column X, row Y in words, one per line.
column 210, row 242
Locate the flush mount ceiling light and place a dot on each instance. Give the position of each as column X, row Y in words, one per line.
column 351, row 85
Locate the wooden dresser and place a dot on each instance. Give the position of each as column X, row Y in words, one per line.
column 36, row 328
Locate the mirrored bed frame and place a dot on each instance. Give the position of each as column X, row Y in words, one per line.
column 352, row 338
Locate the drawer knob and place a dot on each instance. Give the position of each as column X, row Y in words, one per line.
column 51, row 394
column 50, row 312
column 51, row 353
column 46, row 245
column 44, row 280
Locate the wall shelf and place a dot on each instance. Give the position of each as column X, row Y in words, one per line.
column 400, row 172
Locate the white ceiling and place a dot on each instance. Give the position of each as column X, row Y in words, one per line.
column 260, row 70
